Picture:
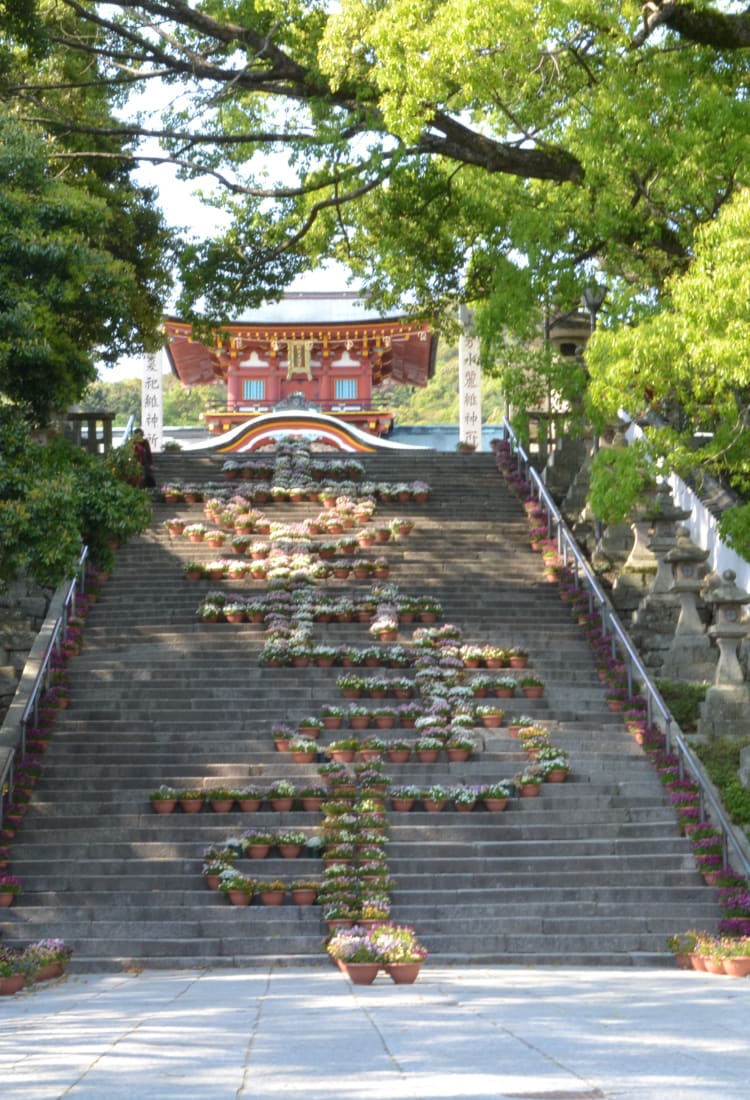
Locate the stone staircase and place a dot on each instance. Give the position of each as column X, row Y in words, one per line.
column 592, row 872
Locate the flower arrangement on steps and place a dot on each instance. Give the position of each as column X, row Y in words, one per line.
column 38, row 962
column 625, row 697
column 291, row 607
column 362, row 952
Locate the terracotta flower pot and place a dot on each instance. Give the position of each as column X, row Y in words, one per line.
column 304, row 897
column 362, row 973
column 403, row 973
column 496, row 805
column 403, row 805
column 258, row 851
column 272, row 897
column 12, row 985
column 738, row 967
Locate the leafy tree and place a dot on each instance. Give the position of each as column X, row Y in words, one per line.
column 686, row 358
column 65, row 298
column 499, row 154
column 426, row 143
column 56, row 497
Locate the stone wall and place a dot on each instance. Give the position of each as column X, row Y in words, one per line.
column 23, row 608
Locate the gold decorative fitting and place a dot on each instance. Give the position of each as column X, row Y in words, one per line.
column 299, row 352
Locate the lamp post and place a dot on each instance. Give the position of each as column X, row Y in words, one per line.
column 593, row 298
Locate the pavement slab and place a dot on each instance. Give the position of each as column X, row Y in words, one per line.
column 489, row 1033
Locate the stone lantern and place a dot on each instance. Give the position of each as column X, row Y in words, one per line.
column 654, row 621
column 726, row 710
column 663, row 516
column 690, row 655
column 685, row 560
column 729, row 627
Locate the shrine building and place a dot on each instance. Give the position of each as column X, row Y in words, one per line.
column 325, row 352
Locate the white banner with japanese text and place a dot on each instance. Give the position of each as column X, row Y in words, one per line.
column 152, row 401
column 469, row 384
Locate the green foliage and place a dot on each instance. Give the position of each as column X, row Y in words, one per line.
column 71, row 290
column 183, row 405
column 687, row 357
column 619, row 478
column 54, row 498
column 734, row 529
column 437, row 403
column 721, row 759
column 684, row 700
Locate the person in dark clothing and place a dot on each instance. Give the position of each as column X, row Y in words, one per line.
column 142, row 451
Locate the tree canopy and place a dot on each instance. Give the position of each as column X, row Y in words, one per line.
column 501, row 154
column 441, row 148
column 77, row 282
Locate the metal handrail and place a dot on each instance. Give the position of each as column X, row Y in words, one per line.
column 76, row 587
column 658, row 711
column 128, row 430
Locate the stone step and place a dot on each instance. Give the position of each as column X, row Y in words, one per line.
column 592, row 870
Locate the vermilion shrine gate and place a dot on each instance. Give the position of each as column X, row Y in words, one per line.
column 328, row 366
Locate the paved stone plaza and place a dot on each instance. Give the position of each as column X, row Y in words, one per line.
column 466, row 1034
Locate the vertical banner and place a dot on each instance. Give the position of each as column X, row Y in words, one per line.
column 152, row 407
column 469, row 383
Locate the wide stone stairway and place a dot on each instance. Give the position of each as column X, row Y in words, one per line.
column 594, row 871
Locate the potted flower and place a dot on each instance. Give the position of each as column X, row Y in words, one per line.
column 373, row 910
column 343, row 750
column 46, row 959
column 517, row 658
column 191, row 801
column 311, row 798
column 459, row 746
column 257, row 845
column 435, row 797
column 304, row 891
column 402, row 953
column 12, row 975
column 428, row 748
column 385, row 717
column 504, row 687
column 554, row 764
column 465, row 798
column 236, row 887
column 358, row 716
column 351, row 685
column 357, row 953
column 234, row 611
column 290, row 843
column 490, row 715
column 385, row 627
column 10, row 888
column 331, row 717
column 163, row 799
column 195, row 532
column 303, row 750
column 495, row 796
column 404, row 796
column 529, row 783
column 282, row 736
column 398, row 752
column 281, row 795
column 494, row 656
column 175, row 525
column 310, row 726
column 249, row 799
column 532, row 687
